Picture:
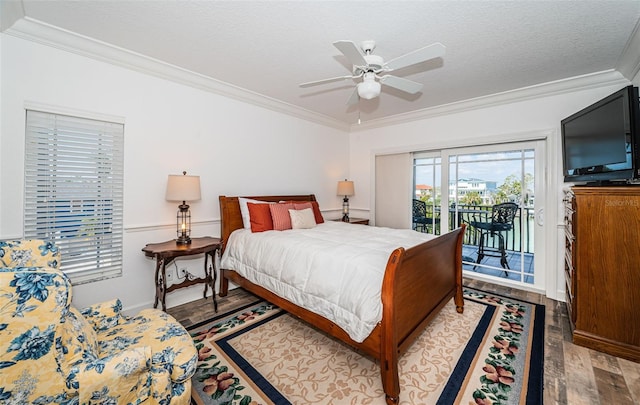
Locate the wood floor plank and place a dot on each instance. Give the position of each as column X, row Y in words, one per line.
column 581, row 383
column 605, row 362
column 631, row 373
column 555, row 389
column 202, row 309
column 612, row 387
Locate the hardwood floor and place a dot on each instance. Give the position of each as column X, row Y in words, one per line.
column 201, row 310
column 573, row 374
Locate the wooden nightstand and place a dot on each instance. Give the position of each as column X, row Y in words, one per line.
column 166, row 252
column 360, row 221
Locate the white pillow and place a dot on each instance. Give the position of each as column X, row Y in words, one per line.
column 244, row 210
column 302, row 219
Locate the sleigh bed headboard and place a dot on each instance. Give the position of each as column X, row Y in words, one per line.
column 231, row 218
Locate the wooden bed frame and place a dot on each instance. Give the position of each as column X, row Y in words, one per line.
column 417, row 283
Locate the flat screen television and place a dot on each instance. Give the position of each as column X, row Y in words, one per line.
column 600, row 144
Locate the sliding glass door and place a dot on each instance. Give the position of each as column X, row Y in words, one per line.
column 491, row 189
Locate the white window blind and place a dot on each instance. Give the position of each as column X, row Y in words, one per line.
column 74, row 191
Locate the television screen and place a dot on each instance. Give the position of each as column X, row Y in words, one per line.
column 597, row 138
column 598, row 142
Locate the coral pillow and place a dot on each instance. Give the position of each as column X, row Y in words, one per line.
column 260, row 217
column 280, row 216
column 302, row 205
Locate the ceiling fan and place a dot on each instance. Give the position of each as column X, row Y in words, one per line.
column 373, row 69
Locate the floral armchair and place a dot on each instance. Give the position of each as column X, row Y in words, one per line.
column 51, row 353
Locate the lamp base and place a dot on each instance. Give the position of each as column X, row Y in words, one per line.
column 183, row 240
column 345, row 209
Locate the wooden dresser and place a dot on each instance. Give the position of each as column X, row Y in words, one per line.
column 602, row 268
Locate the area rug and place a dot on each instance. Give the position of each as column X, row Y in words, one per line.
column 259, row 354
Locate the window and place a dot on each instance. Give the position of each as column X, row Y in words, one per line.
column 73, row 191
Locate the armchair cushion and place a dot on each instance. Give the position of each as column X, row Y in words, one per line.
column 122, row 377
column 77, row 341
column 105, row 315
column 171, row 345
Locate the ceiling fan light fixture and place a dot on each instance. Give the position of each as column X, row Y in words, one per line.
column 374, row 70
column 369, row 88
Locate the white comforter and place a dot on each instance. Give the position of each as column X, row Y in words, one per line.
column 335, row 269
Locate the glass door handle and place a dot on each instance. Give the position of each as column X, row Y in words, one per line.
column 540, row 217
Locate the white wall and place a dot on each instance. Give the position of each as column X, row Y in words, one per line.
column 236, row 148
column 513, row 121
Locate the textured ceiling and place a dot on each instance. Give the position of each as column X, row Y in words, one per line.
column 269, row 47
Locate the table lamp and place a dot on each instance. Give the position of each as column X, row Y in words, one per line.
column 346, row 189
column 183, row 188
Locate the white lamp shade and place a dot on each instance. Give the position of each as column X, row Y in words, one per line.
column 346, row 188
column 183, row 188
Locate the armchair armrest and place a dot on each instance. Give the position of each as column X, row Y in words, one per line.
column 104, row 315
column 112, row 377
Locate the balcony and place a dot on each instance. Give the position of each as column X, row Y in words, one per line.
column 518, row 241
column 491, row 265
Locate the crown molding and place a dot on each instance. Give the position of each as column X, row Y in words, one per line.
column 584, row 82
column 629, row 62
column 37, row 31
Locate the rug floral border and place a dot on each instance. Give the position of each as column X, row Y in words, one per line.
column 499, row 372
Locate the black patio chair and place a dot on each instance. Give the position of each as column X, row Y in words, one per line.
column 423, row 219
column 498, row 222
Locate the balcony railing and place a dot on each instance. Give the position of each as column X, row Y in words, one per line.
column 520, row 238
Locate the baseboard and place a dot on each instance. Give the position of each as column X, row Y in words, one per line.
column 601, row 344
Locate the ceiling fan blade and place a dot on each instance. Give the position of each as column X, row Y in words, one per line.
column 419, row 55
column 354, row 97
column 406, row 85
column 352, row 52
column 332, row 79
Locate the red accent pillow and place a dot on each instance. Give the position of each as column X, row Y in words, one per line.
column 314, row 206
column 316, row 212
column 260, row 217
column 280, row 215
